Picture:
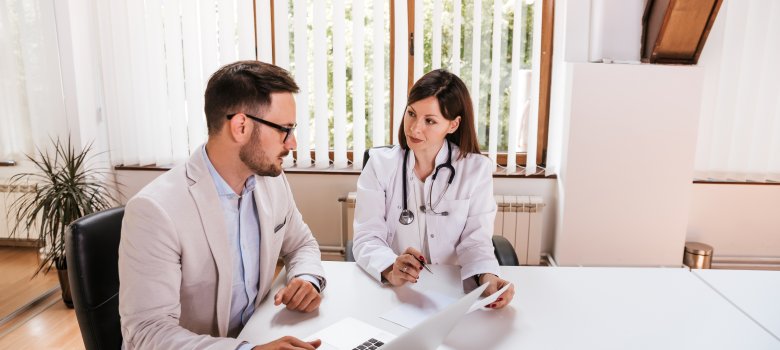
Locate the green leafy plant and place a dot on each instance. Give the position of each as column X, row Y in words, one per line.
column 61, row 190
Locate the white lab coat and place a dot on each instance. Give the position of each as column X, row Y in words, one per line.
column 461, row 238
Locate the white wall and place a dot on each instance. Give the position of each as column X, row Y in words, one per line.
column 736, row 220
column 628, row 162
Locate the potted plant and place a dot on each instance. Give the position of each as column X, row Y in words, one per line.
column 64, row 189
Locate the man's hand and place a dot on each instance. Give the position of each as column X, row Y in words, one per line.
column 289, row 343
column 406, row 268
column 299, row 295
column 496, row 284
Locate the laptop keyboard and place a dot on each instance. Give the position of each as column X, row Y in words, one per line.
column 370, row 344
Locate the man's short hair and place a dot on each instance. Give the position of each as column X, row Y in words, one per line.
column 243, row 87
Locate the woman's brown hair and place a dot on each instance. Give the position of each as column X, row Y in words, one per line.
column 454, row 101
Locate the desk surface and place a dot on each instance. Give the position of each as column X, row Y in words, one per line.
column 757, row 293
column 554, row 308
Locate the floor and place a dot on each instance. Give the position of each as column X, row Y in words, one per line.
column 32, row 314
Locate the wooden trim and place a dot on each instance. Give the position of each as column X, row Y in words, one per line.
column 410, row 44
column 392, row 67
column 545, row 81
column 273, row 33
column 254, row 17
column 705, row 182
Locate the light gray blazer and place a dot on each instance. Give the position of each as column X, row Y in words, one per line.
column 175, row 267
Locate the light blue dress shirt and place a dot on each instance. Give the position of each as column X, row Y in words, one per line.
column 243, row 229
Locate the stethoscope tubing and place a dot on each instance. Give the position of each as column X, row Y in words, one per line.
column 407, row 217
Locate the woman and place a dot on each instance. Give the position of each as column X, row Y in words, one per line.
column 430, row 201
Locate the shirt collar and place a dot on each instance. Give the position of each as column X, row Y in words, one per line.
column 223, row 189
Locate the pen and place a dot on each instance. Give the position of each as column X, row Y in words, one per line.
column 423, row 264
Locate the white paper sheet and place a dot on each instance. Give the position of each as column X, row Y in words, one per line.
column 479, row 304
column 411, row 313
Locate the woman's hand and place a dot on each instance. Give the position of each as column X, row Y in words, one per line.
column 496, row 284
column 406, row 268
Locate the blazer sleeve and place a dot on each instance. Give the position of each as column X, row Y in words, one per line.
column 475, row 248
column 300, row 251
column 150, row 279
column 370, row 247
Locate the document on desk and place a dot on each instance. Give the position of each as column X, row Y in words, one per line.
column 417, row 309
column 412, row 312
column 479, row 304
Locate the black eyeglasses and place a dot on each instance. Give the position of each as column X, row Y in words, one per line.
column 287, row 131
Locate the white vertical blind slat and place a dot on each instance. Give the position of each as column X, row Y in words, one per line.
column 158, row 130
column 495, row 80
column 401, row 65
column 476, row 40
column 209, row 38
column 533, row 116
column 246, row 28
column 301, row 73
column 140, row 81
column 193, row 75
column 436, row 34
column 419, row 55
column 175, row 80
column 377, row 76
column 281, row 34
column 109, row 79
column 282, row 49
column 456, row 24
column 124, row 87
column 321, row 111
column 263, row 24
column 227, row 31
column 358, row 85
column 515, row 100
column 339, row 88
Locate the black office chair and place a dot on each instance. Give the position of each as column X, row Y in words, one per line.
column 91, row 250
column 503, row 250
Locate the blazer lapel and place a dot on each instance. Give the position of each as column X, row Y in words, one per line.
column 268, row 256
column 204, row 193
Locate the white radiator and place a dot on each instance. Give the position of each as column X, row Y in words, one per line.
column 519, row 220
column 7, row 196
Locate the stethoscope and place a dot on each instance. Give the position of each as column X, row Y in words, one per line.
column 407, row 217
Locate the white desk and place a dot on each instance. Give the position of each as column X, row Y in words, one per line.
column 757, row 293
column 555, row 308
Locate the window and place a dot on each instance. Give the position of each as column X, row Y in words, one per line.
column 350, row 59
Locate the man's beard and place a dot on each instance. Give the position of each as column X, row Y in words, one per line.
column 254, row 157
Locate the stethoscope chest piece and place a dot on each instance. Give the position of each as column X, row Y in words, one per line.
column 406, row 217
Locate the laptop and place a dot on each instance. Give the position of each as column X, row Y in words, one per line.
column 352, row 334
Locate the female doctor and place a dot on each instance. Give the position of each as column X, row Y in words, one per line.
column 430, row 201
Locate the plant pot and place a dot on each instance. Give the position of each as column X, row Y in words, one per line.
column 62, row 274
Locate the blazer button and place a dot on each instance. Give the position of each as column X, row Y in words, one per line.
column 432, row 235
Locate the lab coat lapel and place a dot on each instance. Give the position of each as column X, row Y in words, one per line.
column 204, row 193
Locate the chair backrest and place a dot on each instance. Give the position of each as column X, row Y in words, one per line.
column 92, row 252
column 367, row 155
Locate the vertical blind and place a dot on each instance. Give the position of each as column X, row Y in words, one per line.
column 739, row 131
column 30, row 90
column 157, row 56
column 502, row 74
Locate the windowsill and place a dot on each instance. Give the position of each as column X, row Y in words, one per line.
column 499, row 173
column 713, row 182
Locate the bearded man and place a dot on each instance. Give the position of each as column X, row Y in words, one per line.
column 200, row 243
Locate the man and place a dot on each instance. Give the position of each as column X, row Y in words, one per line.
column 200, row 243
